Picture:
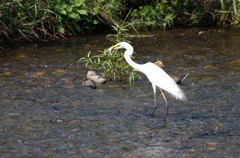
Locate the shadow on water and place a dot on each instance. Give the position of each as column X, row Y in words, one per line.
column 44, row 110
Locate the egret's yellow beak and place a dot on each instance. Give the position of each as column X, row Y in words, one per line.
column 112, row 49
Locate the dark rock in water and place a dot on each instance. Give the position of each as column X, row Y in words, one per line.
column 89, row 83
column 176, row 79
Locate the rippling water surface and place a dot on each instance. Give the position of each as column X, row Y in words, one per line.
column 45, row 112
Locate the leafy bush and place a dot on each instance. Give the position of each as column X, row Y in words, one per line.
column 166, row 13
column 69, row 14
column 154, row 16
column 114, row 66
column 84, row 15
column 42, row 19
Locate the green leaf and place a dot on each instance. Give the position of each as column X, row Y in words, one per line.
column 81, row 59
column 82, row 11
column 95, row 11
column 95, row 22
column 89, row 53
column 61, row 30
column 79, row 2
column 74, row 15
column 69, row 8
column 63, row 12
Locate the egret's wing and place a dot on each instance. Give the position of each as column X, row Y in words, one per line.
column 159, row 77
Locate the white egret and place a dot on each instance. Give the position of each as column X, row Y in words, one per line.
column 157, row 76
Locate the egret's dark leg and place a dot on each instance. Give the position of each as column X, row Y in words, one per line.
column 165, row 102
column 155, row 100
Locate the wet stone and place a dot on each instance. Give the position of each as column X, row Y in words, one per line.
column 95, row 78
column 176, row 79
column 159, row 63
column 90, row 73
column 89, row 83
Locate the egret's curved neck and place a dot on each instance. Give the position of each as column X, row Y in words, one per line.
column 127, row 56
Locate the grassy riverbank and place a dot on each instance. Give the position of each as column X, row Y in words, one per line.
column 47, row 19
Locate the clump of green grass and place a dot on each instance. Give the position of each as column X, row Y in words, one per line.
column 114, row 66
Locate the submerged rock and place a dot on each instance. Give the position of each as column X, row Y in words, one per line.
column 201, row 32
column 89, row 83
column 176, row 79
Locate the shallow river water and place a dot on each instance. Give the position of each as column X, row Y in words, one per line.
column 45, row 112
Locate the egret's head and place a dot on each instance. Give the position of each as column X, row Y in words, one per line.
column 121, row 45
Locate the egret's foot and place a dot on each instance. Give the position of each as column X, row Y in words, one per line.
column 166, row 118
column 152, row 115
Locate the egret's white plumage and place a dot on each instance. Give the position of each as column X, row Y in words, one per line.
column 157, row 76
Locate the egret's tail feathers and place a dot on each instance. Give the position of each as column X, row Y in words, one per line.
column 180, row 95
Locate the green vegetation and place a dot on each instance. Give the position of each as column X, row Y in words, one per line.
column 154, row 16
column 46, row 19
column 115, row 67
column 167, row 13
